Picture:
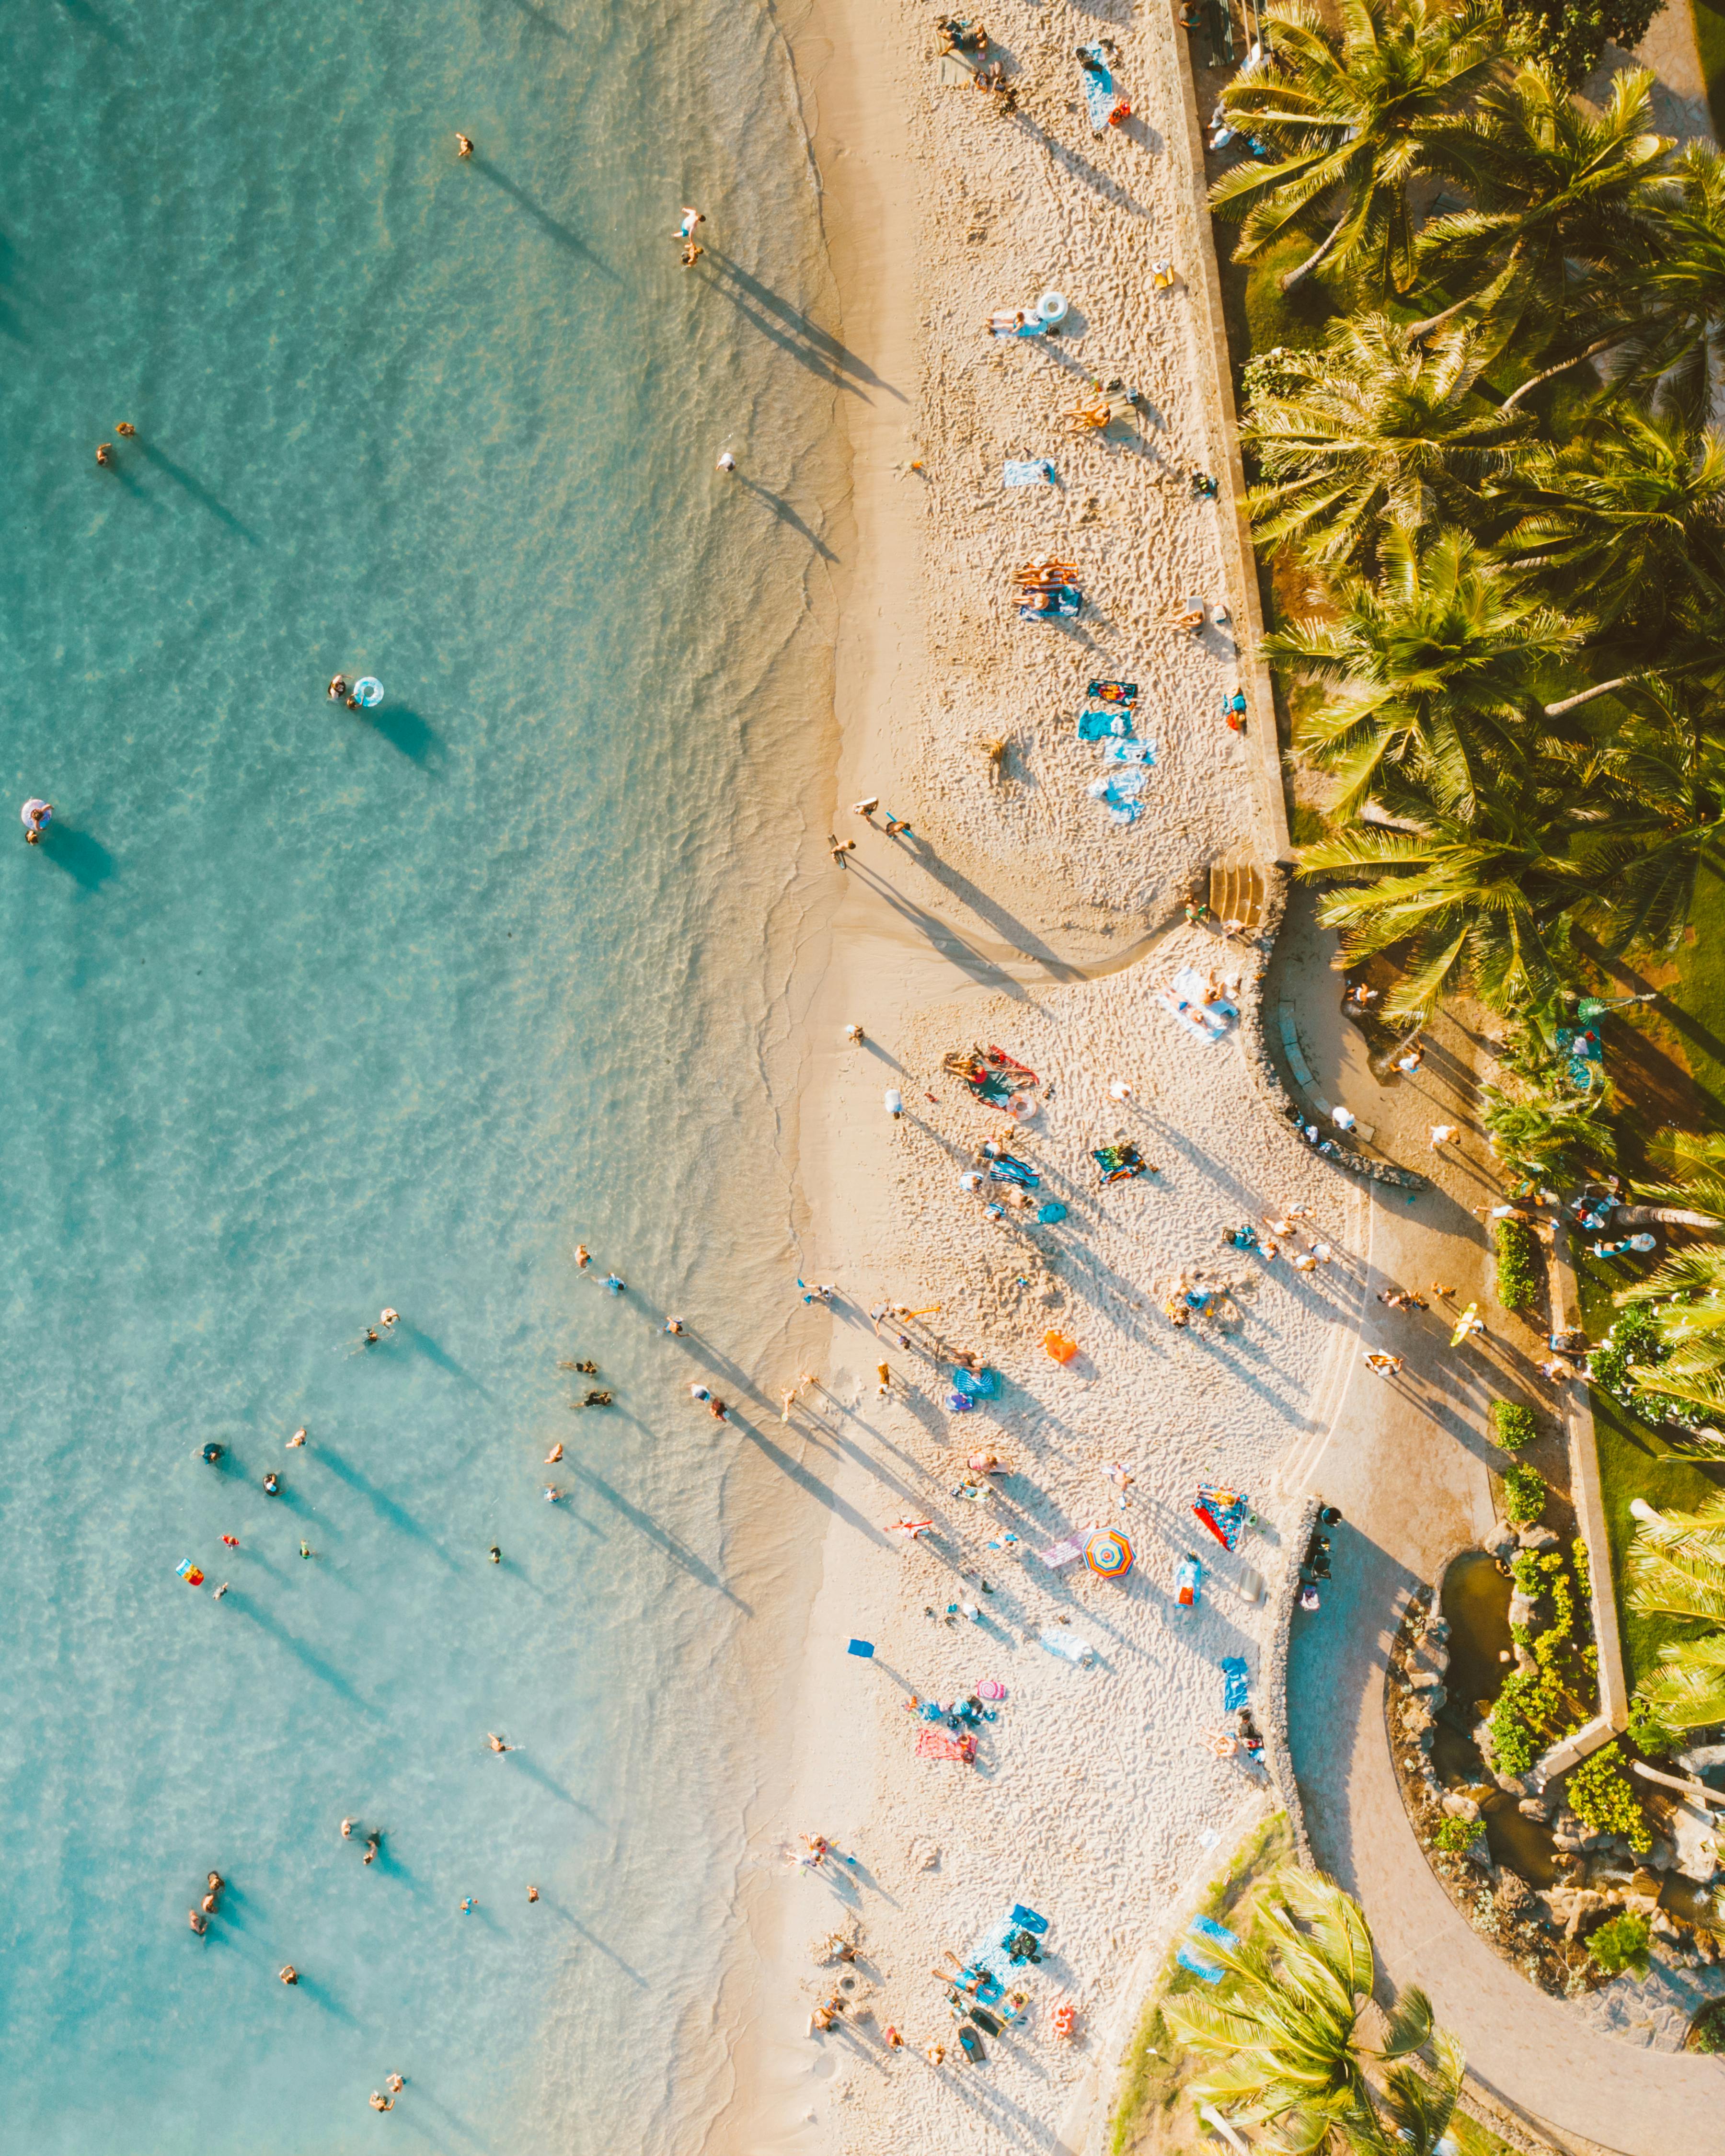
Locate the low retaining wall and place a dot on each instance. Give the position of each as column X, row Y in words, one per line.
column 1284, row 1592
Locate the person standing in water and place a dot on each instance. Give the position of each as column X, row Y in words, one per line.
column 584, row 1257
column 464, row 146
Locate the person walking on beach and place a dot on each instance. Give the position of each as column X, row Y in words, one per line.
column 883, row 1380
column 691, row 254
column 464, row 145
column 616, row 1283
column 1443, row 1134
column 1386, row 1366
column 854, row 1034
column 866, row 809
column 839, row 847
column 584, row 1257
column 728, row 463
column 691, row 218
column 674, row 1325
column 895, row 824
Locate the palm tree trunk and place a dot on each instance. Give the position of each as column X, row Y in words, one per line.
column 1312, row 261
column 1533, row 381
column 1664, row 1216
column 1600, row 689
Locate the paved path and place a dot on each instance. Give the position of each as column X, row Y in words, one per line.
column 1406, row 1460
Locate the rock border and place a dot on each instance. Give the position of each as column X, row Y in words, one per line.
column 1274, row 1682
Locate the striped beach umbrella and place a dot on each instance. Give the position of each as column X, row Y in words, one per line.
column 1108, row 1554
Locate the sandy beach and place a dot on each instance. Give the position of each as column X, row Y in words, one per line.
column 1014, row 912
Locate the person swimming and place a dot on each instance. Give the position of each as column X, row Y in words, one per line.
column 36, row 816
column 338, row 687
column 199, row 1923
column 298, row 1438
column 464, row 146
column 373, row 1842
column 272, row 1484
column 496, row 1554
column 390, row 1320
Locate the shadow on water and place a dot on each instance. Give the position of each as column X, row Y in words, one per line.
column 423, row 1344
column 242, row 1606
column 550, row 1901
column 814, row 346
column 679, row 1551
column 546, row 222
column 393, row 1514
column 82, row 856
column 415, row 738
column 81, row 12
column 199, row 493
column 786, row 514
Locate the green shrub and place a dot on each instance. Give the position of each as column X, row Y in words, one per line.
column 1600, row 1795
column 1457, row 1835
column 1571, row 35
column 1532, row 1713
column 1634, row 1342
column 1622, row 1943
column 1651, row 1737
column 1583, row 1568
column 1518, row 1265
column 1523, row 1495
column 1512, row 1425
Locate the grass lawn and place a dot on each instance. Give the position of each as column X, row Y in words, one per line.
column 1630, row 1467
column 1669, row 1062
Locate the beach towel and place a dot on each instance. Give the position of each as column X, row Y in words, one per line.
column 1006, row 1169
column 1112, row 692
column 1066, row 1644
column 1128, row 812
column 1234, row 1683
column 1099, row 98
column 1028, row 471
column 1191, row 1955
column 1123, row 783
column 1060, row 1553
column 936, row 1744
column 1184, row 998
column 1223, row 1512
column 1100, row 725
column 1027, row 1920
column 1129, row 752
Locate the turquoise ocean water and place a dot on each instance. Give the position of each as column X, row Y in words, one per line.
column 313, row 1012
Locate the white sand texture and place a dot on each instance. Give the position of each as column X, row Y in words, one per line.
column 1093, row 1797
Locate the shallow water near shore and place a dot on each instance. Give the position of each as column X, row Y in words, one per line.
column 316, row 1011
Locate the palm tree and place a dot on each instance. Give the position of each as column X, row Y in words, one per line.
column 1432, row 659
column 1546, row 1141
column 1283, row 2034
column 1699, row 1163
column 1663, row 772
column 1686, row 1301
column 1354, row 112
column 1416, row 2108
column 1480, row 890
column 1630, row 509
column 1676, row 1568
column 1677, row 353
column 1366, row 430
column 1557, row 192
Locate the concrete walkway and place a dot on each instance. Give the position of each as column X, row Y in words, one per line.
column 1407, row 1460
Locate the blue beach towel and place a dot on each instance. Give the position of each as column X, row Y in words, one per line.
column 1028, row 471
column 1098, row 89
column 1105, row 726
column 1129, row 752
column 1234, row 1683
